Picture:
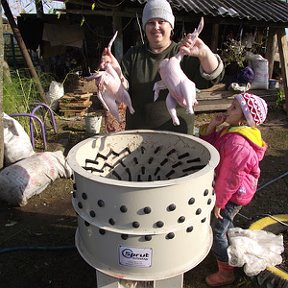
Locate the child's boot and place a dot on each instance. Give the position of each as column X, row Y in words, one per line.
column 224, row 276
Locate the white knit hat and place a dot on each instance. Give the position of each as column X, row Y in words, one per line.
column 157, row 9
column 254, row 108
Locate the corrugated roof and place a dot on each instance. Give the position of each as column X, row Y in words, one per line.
column 275, row 11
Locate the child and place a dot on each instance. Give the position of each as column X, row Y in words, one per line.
column 241, row 148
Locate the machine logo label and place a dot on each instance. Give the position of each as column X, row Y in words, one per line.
column 135, row 257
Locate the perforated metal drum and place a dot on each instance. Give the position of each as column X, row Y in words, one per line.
column 143, row 200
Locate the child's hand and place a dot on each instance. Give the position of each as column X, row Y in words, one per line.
column 217, row 211
column 211, row 127
column 218, row 119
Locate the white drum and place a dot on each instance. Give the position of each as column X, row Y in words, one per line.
column 143, row 200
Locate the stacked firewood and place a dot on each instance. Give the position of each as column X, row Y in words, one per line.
column 75, row 103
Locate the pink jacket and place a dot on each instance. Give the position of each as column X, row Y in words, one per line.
column 236, row 176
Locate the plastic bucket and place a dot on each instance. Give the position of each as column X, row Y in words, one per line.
column 93, row 124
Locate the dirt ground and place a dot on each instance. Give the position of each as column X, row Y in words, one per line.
column 37, row 240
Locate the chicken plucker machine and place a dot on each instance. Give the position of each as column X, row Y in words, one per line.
column 143, row 200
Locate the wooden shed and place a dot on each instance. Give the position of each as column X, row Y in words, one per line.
column 268, row 16
column 99, row 19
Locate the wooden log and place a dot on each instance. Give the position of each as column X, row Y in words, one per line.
column 76, row 97
column 72, row 113
column 75, row 105
column 271, row 49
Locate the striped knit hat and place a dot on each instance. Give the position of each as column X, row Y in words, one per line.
column 254, row 108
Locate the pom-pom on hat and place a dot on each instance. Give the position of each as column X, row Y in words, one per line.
column 254, row 108
column 157, row 9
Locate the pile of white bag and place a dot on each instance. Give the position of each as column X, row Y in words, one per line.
column 56, row 91
column 17, row 144
column 27, row 173
column 260, row 67
column 254, row 249
column 30, row 176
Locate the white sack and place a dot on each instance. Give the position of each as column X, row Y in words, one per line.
column 28, row 177
column 260, row 66
column 255, row 249
column 56, row 91
column 17, row 143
